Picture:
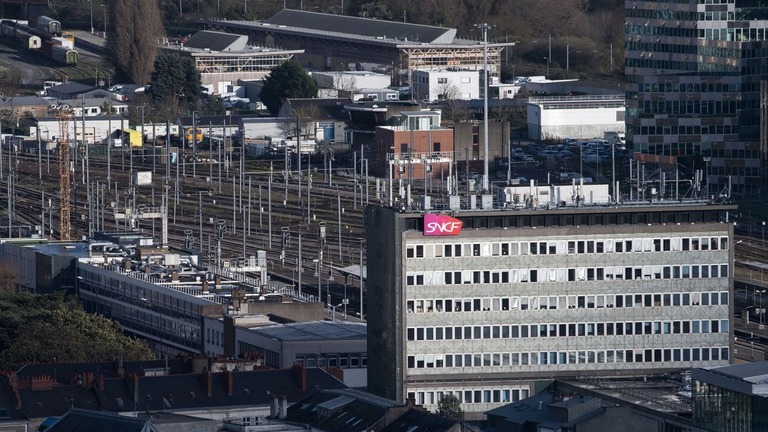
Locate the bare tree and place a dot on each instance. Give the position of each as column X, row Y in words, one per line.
column 307, row 114
column 345, row 84
column 134, row 40
column 450, row 95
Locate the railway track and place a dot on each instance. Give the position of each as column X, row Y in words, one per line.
column 242, row 202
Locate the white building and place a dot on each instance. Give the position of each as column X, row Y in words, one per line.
column 558, row 117
column 445, row 84
column 351, row 80
column 484, row 304
column 92, row 129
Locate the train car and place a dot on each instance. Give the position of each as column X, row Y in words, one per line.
column 191, row 136
column 7, row 29
column 64, row 55
column 49, row 25
column 28, row 41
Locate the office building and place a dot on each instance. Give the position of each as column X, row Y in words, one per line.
column 693, row 84
column 486, row 303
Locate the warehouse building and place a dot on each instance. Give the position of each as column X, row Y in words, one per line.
column 484, row 304
column 559, row 117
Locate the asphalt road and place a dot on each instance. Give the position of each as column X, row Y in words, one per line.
column 22, row 69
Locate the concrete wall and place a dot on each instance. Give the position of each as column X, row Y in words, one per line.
column 298, row 311
column 385, row 304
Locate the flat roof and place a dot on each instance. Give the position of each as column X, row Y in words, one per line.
column 314, row 330
column 70, row 249
column 746, row 378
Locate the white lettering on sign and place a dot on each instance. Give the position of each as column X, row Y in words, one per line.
column 441, row 225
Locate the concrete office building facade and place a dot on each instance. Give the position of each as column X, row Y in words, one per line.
column 527, row 295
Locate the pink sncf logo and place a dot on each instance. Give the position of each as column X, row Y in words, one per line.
column 441, row 225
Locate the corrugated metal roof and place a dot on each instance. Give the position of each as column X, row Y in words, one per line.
column 217, row 41
column 362, row 26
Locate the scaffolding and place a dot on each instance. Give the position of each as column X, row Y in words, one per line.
column 64, row 115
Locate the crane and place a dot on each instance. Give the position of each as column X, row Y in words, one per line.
column 64, row 115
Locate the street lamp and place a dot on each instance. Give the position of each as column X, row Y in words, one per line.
column 546, row 59
column 91, row 4
column 568, row 57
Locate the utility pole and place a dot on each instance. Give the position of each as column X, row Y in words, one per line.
column 485, row 27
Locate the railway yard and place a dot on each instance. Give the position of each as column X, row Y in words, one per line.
column 207, row 200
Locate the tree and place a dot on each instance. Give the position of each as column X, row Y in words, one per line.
column 289, row 80
column 39, row 329
column 450, row 407
column 450, row 96
column 8, row 278
column 133, row 42
column 173, row 80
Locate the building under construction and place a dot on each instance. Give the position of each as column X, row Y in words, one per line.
column 222, row 59
column 339, row 42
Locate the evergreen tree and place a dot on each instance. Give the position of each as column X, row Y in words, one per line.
column 289, row 80
column 43, row 329
column 450, row 407
column 174, row 80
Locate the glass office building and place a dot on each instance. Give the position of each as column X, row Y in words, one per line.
column 731, row 398
column 693, row 71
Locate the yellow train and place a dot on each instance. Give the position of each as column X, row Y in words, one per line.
column 193, row 135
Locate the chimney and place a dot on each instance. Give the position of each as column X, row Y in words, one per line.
column 300, row 373
column 283, row 408
column 229, row 382
column 135, row 389
column 274, row 408
column 205, row 286
column 207, row 381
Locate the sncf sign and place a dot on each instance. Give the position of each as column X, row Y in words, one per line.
column 441, row 225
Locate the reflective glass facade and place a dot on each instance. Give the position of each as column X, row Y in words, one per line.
column 693, row 73
column 724, row 410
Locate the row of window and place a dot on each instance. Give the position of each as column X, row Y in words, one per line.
column 573, row 274
column 592, row 301
column 544, row 358
column 514, row 331
column 700, row 108
column 566, row 247
column 431, row 397
column 343, row 360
